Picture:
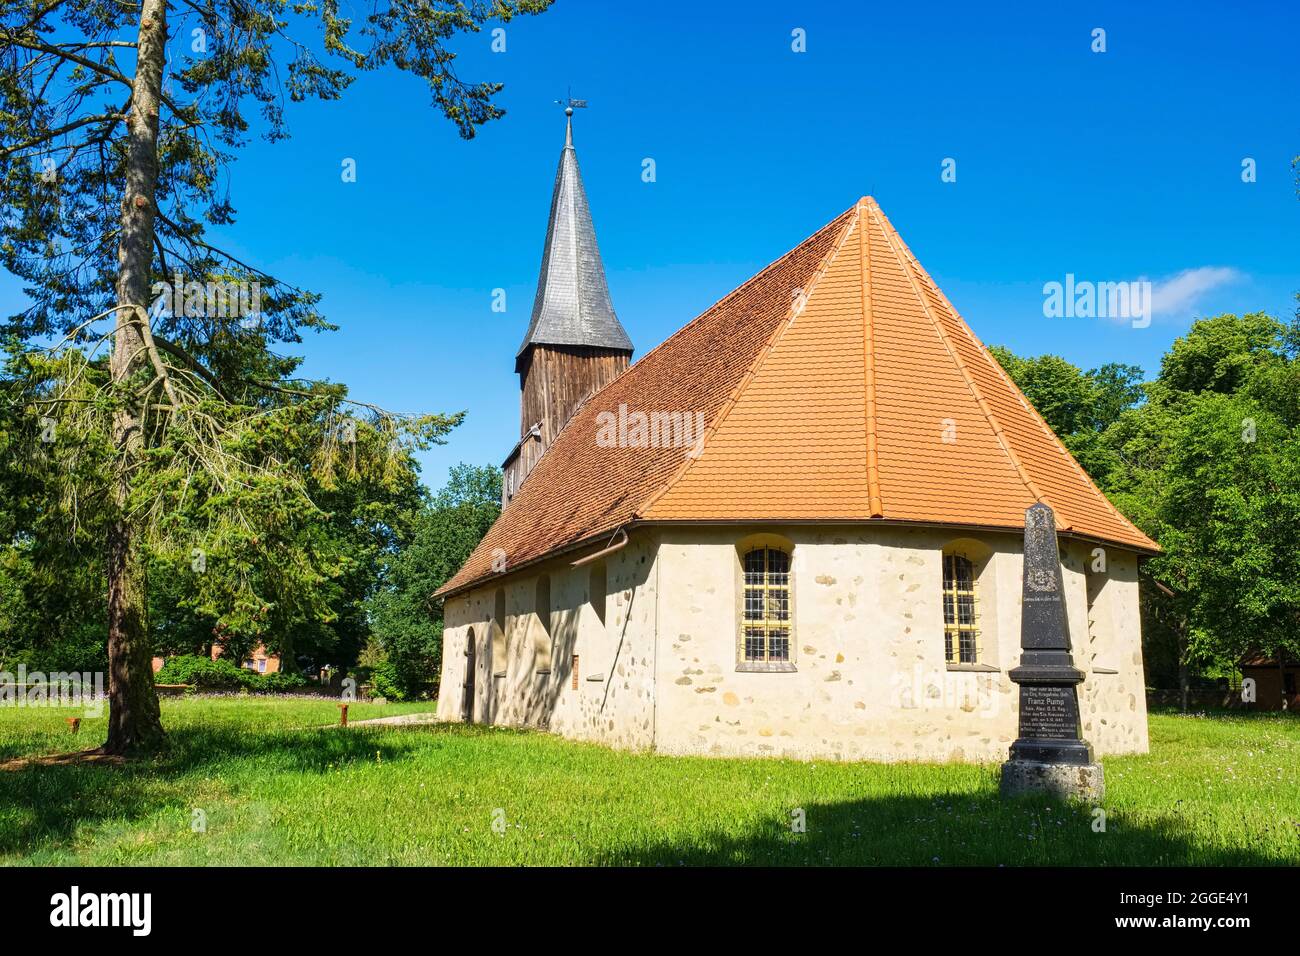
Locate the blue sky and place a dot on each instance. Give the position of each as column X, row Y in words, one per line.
column 1111, row 166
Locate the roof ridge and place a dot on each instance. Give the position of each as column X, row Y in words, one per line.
column 891, row 234
column 757, row 363
column 1024, row 402
column 875, row 505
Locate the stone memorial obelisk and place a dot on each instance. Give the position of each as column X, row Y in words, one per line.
column 1050, row 754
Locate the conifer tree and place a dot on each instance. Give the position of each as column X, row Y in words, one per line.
column 118, row 121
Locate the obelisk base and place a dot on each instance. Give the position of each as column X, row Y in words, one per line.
column 1068, row 781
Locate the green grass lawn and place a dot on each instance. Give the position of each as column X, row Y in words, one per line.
column 277, row 787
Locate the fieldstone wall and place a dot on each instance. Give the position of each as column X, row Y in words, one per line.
column 1106, row 635
column 870, row 680
column 867, row 681
column 525, row 670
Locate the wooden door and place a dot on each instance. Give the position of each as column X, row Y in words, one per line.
column 467, row 701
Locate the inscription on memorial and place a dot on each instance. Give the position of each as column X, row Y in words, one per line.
column 1048, row 712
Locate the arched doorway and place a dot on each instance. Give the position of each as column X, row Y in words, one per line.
column 467, row 701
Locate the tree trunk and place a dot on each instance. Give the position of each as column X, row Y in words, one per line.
column 286, row 653
column 133, row 717
column 1184, row 677
column 1281, row 675
column 134, row 723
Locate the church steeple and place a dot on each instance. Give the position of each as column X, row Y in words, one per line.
column 572, row 306
column 575, row 343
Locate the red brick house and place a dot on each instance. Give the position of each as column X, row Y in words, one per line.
column 258, row 659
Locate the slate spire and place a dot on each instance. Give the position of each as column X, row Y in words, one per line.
column 573, row 306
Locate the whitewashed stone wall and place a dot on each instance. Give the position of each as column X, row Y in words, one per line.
column 870, row 679
column 614, row 699
column 1112, row 705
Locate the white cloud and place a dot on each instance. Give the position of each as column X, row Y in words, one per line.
column 1177, row 296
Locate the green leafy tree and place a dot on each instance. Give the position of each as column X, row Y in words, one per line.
column 403, row 614
column 1221, row 354
column 1078, row 406
column 113, row 173
column 1205, row 460
column 310, row 602
column 1210, row 468
column 52, row 588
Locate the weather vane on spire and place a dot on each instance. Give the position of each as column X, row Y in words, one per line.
column 570, row 104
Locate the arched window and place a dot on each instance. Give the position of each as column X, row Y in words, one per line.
column 961, row 635
column 766, row 610
column 542, row 606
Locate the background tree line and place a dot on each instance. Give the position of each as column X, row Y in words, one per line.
column 1206, row 460
column 386, row 541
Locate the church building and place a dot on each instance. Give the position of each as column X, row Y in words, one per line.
column 794, row 528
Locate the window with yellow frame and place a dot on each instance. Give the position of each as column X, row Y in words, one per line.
column 766, row 619
column 961, row 634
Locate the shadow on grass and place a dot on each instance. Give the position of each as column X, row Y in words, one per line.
column 47, row 803
column 45, row 806
column 946, row 829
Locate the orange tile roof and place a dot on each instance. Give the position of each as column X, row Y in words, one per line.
column 838, row 384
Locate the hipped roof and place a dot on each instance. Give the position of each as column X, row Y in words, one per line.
column 838, row 384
